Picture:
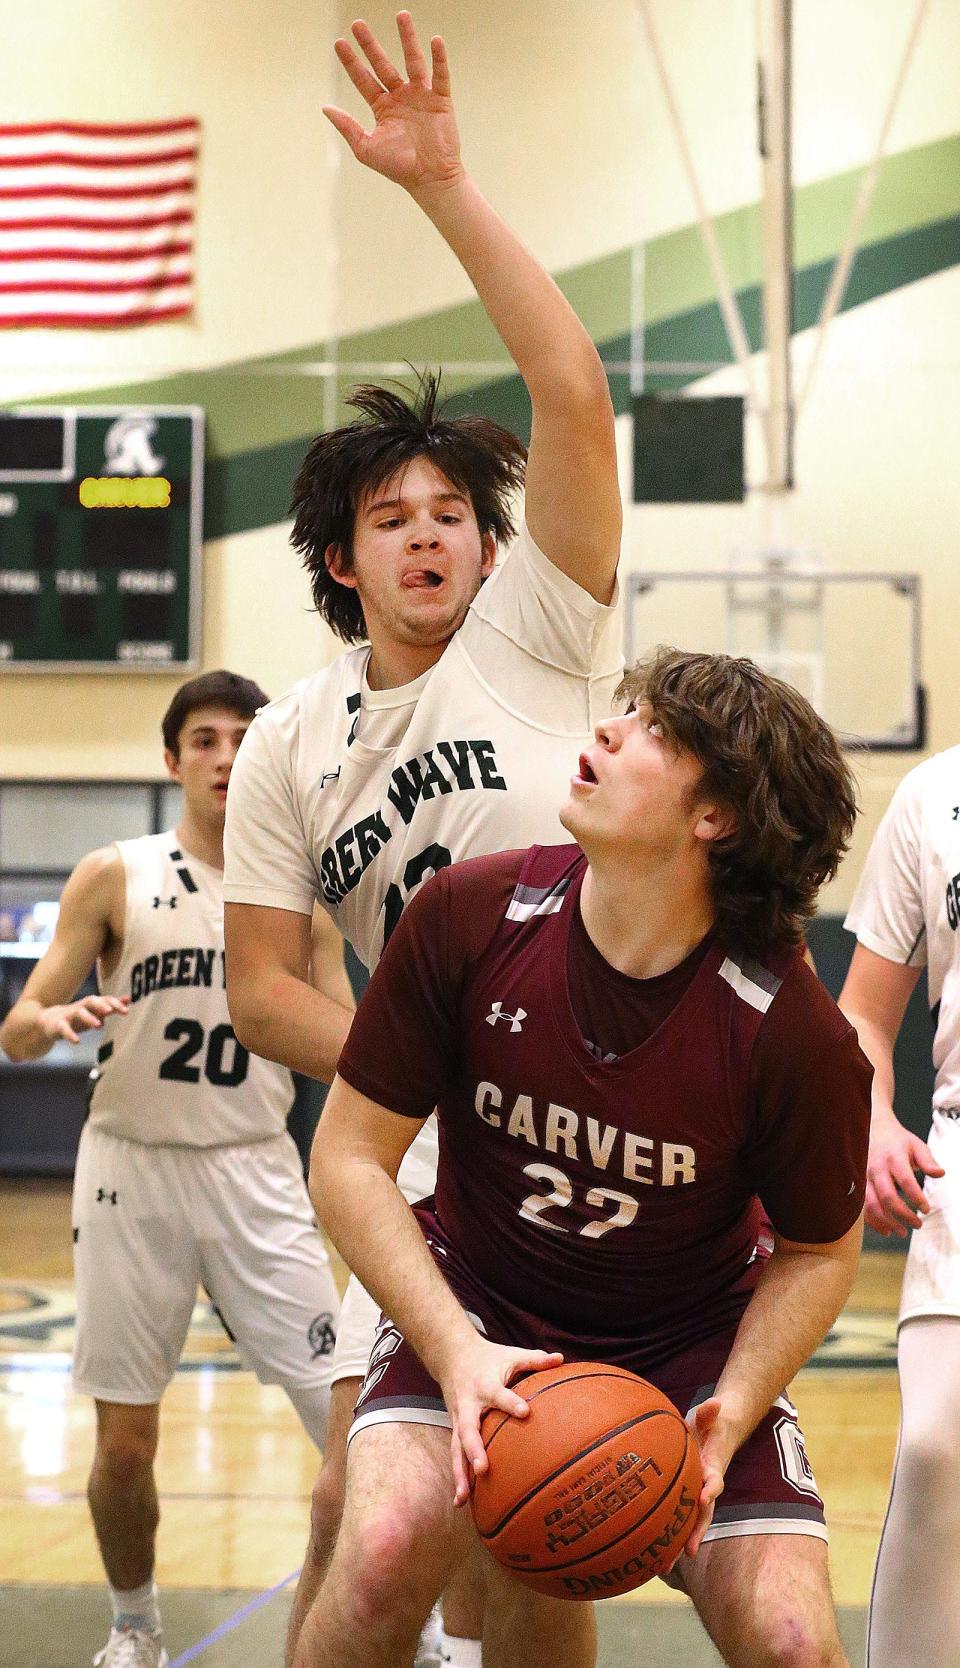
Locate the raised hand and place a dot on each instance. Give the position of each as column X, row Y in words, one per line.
column 895, row 1199
column 414, row 141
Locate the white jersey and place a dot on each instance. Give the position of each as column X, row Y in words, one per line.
column 907, row 904
column 170, row 1070
column 354, row 797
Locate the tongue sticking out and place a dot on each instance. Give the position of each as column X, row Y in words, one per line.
column 422, row 579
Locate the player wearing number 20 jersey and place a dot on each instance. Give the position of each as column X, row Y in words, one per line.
column 170, row 1071
column 186, row 1172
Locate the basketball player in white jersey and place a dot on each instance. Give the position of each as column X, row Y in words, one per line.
column 185, row 1172
column 451, row 734
column 906, row 915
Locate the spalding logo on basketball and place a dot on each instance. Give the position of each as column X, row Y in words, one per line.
column 595, row 1492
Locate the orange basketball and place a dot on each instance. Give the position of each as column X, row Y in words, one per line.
column 595, row 1492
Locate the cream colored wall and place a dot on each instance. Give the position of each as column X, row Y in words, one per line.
column 877, row 487
column 546, row 101
column 257, row 77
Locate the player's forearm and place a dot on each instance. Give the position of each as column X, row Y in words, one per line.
column 22, row 1035
column 285, row 1019
column 543, row 335
column 378, row 1236
column 798, row 1297
column 878, row 1047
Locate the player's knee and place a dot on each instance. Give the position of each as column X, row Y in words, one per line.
column 397, row 1550
column 124, row 1455
column 390, row 1542
column 392, row 1567
column 795, row 1641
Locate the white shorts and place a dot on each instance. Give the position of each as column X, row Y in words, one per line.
column 151, row 1223
column 359, row 1318
column 360, row 1312
column 931, row 1281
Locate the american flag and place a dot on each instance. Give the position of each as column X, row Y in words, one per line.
column 96, row 223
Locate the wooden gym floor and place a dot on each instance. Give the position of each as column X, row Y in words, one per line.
column 234, row 1473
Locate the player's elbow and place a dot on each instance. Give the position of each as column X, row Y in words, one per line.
column 248, row 1016
column 581, row 393
column 321, row 1180
column 14, row 1041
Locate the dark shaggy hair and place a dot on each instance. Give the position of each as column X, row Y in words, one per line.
column 211, row 689
column 342, row 467
column 768, row 757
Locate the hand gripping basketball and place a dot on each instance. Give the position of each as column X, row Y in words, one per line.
column 596, row 1491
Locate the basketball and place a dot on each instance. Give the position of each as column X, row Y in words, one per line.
column 595, row 1492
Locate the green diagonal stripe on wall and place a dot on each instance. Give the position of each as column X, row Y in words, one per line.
column 260, row 417
column 253, row 489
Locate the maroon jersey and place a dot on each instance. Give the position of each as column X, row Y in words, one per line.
column 617, row 1198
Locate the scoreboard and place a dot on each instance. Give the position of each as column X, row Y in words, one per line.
column 101, row 528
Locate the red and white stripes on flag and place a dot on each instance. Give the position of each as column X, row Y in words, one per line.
column 96, row 223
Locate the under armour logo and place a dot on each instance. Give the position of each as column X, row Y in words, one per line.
column 170, row 903
column 516, row 1020
column 330, row 776
column 102, row 1194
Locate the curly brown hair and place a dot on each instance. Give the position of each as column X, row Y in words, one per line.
column 477, row 456
column 770, row 759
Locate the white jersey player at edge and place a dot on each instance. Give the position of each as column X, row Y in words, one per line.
column 185, row 1172
column 451, row 735
column 906, row 915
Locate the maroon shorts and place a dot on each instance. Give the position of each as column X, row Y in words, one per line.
column 769, row 1487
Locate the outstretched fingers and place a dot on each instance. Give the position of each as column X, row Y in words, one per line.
column 367, row 85
column 385, row 73
column 441, row 67
column 376, row 57
column 414, row 61
column 345, row 125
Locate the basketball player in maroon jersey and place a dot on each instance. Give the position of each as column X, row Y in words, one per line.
column 653, row 1136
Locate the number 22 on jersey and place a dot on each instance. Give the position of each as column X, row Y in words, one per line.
column 560, row 1195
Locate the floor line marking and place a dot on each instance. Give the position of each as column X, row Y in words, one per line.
column 36, row 1495
column 233, row 1621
